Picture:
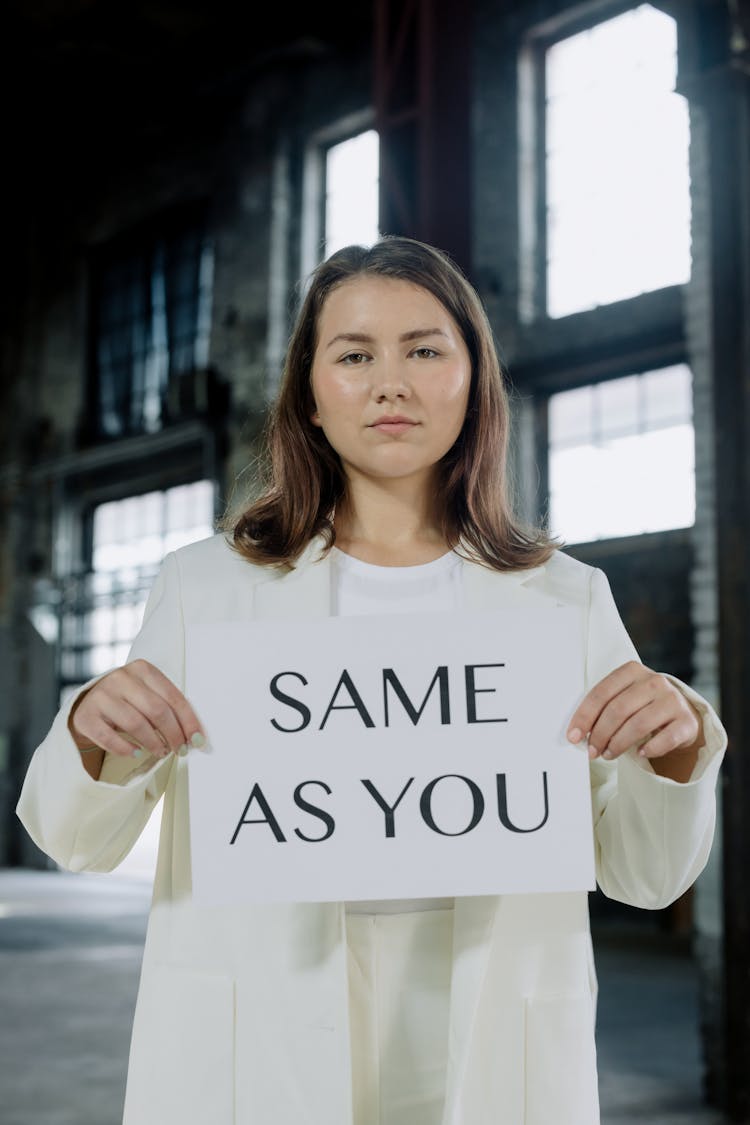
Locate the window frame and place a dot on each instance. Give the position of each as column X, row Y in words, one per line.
column 115, row 471
column 584, row 374
column 313, row 235
column 532, row 149
column 633, row 432
column 139, row 242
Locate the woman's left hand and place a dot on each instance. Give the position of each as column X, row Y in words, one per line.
column 635, row 706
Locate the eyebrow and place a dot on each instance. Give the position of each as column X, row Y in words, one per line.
column 364, row 338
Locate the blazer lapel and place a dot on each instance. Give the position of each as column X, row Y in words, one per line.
column 493, row 589
column 299, row 595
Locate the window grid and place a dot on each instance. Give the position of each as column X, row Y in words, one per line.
column 622, row 456
column 100, row 611
column 153, row 312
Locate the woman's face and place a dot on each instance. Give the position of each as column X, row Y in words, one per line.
column 390, row 378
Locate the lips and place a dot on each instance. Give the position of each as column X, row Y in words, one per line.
column 393, row 424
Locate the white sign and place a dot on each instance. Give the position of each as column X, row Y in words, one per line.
column 402, row 756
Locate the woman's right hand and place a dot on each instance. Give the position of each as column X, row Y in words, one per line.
column 134, row 708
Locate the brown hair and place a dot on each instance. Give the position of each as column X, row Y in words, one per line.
column 302, row 477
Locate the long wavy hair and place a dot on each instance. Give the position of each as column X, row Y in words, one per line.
column 302, row 479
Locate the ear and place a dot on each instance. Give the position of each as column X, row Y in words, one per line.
column 315, row 417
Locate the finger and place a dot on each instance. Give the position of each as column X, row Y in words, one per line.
column 180, row 706
column 149, row 715
column 103, row 711
column 592, row 705
column 642, row 725
column 131, row 722
column 106, row 738
column 147, row 692
column 623, row 715
column 677, row 735
column 159, row 716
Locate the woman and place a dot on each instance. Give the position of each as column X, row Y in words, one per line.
column 385, row 493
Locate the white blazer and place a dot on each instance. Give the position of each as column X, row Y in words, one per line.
column 242, row 1012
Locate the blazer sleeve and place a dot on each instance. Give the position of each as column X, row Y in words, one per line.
column 88, row 825
column 652, row 835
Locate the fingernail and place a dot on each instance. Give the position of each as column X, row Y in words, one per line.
column 137, row 752
column 575, row 735
column 593, row 752
column 198, row 741
column 182, row 750
column 608, row 755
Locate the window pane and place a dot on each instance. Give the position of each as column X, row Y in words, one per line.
column 622, row 461
column 130, row 539
column 617, row 406
column 617, row 177
column 138, row 531
column 152, row 317
column 668, row 397
column 352, row 177
column 571, row 416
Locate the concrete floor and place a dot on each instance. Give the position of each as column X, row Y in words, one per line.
column 70, row 948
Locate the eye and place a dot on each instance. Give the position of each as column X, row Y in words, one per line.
column 354, row 359
column 423, row 352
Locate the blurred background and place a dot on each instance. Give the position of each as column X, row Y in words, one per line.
column 173, row 171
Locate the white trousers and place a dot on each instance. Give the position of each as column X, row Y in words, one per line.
column 399, row 969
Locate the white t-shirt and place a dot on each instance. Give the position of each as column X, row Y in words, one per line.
column 364, row 588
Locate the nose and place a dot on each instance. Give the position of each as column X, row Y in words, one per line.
column 390, row 382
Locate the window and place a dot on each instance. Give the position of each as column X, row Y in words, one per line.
column 351, row 211
column 94, row 617
column 616, row 189
column 621, row 456
column 152, row 312
column 101, row 610
column 341, row 192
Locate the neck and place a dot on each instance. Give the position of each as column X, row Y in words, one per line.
column 390, row 523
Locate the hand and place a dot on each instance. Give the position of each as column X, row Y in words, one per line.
column 135, row 708
column 635, row 706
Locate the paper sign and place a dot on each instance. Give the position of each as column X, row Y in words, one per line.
column 403, row 756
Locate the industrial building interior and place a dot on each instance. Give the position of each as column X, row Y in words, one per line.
column 174, row 172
